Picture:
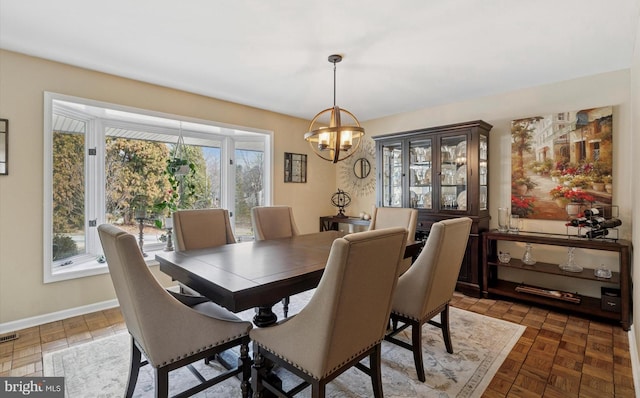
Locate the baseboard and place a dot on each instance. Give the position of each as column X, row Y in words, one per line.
column 55, row 316
column 25, row 323
column 635, row 360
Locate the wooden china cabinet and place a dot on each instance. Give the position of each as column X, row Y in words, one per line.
column 444, row 173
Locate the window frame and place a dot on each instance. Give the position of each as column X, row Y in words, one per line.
column 87, row 264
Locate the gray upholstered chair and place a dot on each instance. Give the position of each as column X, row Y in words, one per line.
column 427, row 287
column 386, row 217
column 344, row 321
column 273, row 222
column 202, row 228
column 169, row 334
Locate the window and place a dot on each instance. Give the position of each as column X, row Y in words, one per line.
column 107, row 164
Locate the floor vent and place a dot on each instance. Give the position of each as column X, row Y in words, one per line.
column 8, row 337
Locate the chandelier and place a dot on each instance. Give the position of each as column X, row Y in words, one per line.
column 336, row 141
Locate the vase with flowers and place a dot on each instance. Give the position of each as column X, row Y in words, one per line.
column 572, row 199
column 579, row 200
column 558, row 195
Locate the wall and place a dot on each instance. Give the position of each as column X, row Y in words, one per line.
column 23, row 80
column 635, row 149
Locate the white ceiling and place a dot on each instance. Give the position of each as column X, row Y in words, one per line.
column 398, row 55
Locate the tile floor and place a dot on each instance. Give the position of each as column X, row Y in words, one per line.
column 559, row 355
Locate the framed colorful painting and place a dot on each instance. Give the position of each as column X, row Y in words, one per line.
column 561, row 163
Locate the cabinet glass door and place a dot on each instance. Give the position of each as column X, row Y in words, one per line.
column 392, row 175
column 453, row 173
column 420, row 174
column 484, row 172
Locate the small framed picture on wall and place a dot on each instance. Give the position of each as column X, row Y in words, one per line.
column 295, row 167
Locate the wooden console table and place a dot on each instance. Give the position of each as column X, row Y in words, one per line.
column 593, row 306
column 329, row 223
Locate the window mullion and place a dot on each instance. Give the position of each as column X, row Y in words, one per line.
column 93, row 184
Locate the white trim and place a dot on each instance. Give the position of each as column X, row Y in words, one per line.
column 55, row 316
column 25, row 323
column 97, row 115
column 635, row 360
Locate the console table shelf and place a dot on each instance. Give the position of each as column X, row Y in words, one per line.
column 592, row 306
column 553, row 269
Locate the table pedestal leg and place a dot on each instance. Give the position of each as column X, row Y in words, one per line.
column 265, row 317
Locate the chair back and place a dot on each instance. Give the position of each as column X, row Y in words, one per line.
column 140, row 296
column 202, row 228
column 155, row 319
column 273, row 222
column 349, row 311
column 387, row 217
column 431, row 280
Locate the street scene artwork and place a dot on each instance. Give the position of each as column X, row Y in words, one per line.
column 561, row 164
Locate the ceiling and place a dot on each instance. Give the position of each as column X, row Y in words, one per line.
column 398, row 56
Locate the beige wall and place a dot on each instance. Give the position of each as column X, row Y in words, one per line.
column 23, row 81
column 635, row 183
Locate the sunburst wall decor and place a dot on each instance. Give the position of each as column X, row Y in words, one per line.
column 358, row 172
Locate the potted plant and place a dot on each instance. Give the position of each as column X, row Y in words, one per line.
column 523, row 184
column 597, row 183
column 558, row 195
column 522, row 206
column 577, row 199
column 180, row 188
column 580, row 181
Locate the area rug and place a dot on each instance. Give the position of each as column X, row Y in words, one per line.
column 100, row 368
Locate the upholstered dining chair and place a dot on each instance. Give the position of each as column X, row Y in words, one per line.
column 170, row 334
column 273, row 222
column 344, row 321
column 426, row 289
column 386, row 217
column 200, row 229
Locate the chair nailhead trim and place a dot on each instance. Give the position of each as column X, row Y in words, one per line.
column 340, row 365
column 172, row 360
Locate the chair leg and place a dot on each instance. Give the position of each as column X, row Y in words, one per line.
column 376, row 372
column 285, row 306
column 394, row 323
column 256, row 373
column 134, row 370
column 444, row 324
column 416, row 341
column 318, row 389
column 245, row 364
column 162, row 383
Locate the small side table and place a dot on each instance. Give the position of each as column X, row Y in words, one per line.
column 328, row 223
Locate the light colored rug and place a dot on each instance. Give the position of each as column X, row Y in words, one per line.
column 480, row 343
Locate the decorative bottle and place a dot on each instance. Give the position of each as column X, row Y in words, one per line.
column 570, row 265
column 527, row 257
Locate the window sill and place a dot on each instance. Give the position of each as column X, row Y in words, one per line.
column 89, row 268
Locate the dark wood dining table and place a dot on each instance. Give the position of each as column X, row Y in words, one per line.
column 256, row 274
